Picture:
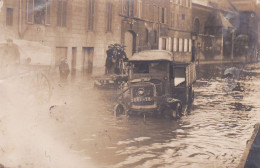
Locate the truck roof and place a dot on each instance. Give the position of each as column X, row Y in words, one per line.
column 152, row 55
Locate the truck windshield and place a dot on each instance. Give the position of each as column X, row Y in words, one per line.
column 158, row 67
column 141, row 67
column 150, row 67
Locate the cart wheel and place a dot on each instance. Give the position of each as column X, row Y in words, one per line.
column 119, row 110
column 42, row 88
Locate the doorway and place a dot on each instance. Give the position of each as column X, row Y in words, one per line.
column 73, row 62
column 88, row 54
column 61, row 54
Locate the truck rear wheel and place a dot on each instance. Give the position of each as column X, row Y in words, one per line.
column 174, row 112
column 178, row 110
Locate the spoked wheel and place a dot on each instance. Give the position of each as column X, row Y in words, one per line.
column 119, row 110
column 41, row 88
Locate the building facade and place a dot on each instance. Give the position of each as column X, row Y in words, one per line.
column 79, row 30
column 247, row 40
column 214, row 23
column 82, row 30
column 153, row 24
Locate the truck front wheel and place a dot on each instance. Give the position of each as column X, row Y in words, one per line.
column 119, row 110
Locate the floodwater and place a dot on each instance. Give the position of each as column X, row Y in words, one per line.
column 78, row 129
column 213, row 135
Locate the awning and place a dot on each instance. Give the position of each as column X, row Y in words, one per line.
column 217, row 19
column 224, row 21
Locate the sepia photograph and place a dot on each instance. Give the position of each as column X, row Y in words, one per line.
column 129, row 84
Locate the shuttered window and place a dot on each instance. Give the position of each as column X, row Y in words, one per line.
column 163, row 15
column 62, row 13
column 91, row 12
column 9, row 16
column 109, row 16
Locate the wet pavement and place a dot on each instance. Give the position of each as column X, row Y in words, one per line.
column 80, row 121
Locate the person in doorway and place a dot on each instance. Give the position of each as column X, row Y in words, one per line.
column 64, row 70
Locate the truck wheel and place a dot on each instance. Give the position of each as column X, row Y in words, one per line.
column 177, row 112
column 119, row 110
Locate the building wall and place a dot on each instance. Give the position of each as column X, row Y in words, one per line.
column 147, row 19
column 75, row 34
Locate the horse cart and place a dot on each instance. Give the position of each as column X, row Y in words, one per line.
column 27, row 78
column 157, row 85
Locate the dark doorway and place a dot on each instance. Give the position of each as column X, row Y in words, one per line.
column 88, row 54
column 73, row 62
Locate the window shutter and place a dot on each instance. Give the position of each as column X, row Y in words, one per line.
column 64, row 13
column 30, row 9
column 48, row 12
column 59, row 11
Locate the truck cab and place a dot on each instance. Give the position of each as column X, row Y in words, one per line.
column 157, row 84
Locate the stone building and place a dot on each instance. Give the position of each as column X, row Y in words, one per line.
column 79, row 30
column 82, row 30
column 214, row 23
column 246, row 41
column 153, row 24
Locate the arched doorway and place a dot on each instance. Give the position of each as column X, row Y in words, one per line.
column 130, row 43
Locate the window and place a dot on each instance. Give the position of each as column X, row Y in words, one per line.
column 141, row 67
column 180, row 45
column 139, row 9
column 62, row 13
column 172, row 19
column 109, row 16
column 146, row 35
column 169, row 46
column 155, row 11
column 91, row 7
column 158, row 67
column 128, row 7
column 175, row 45
column 186, row 45
column 163, row 43
column 190, row 45
column 38, row 11
column 155, row 36
column 9, row 16
column 189, row 5
column 183, row 16
column 163, row 16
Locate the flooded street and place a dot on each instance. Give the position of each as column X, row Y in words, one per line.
column 79, row 129
column 213, row 135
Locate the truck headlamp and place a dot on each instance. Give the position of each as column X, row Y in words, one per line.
column 140, row 91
